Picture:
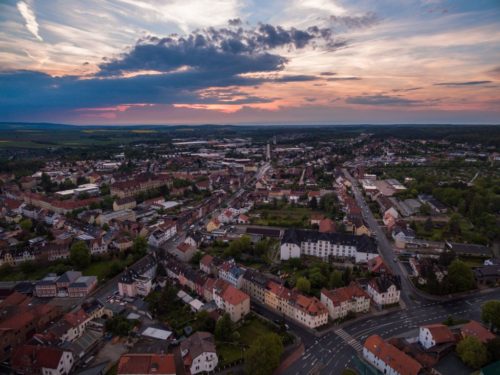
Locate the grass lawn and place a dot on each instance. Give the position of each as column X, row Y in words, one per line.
column 284, row 217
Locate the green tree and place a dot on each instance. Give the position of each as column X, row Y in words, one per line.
column 264, row 355
column 425, row 209
column 224, row 328
column 460, row 276
column 493, row 347
column 472, row 352
column 303, row 285
column 79, row 255
column 26, row 224
column 239, row 246
column 336, row 280
column 490, row 313
column 140, row 246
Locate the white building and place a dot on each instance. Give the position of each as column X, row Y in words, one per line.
column 388, row 359
column 198, row 352
column 384, row 290
column 296, row 242
column 162, row 233
column 138, row 280
column 435, row 334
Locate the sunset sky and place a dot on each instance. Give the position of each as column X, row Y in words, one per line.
column 250, row 61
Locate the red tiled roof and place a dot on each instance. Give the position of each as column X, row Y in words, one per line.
column 31, row 356
column 440, row 333
column 234, row 296
column 475, row 329
column 327, row 226
column 207, row 260
column 392, row 356
column 160, row 364
column 346, row 293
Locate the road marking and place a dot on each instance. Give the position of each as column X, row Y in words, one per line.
column 349, row 339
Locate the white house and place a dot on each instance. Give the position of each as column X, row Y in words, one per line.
column 384, row 290
column 34, row 359
column 435, row 334
column 296, row 242
column 162, row 233
column 198, row 352
column 388, row 359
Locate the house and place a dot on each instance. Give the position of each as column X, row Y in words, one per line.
column 213, row 224
column 47, row 287
column 388, row 359
column 378, row 266
column 434, row 204
column 232, row 273
column 198, row 353
column 206, row 263
column 162, row 233
column 391, row 214
column 435, row 334
column 402, row 235
column 476, row 330
column 34, row 359
column 233, row 301
column 124, row 204
column 384, row 290
column 146, row 364
column 327, row 226
column 296, row 242
column 138, row 279
column 243, row 219
column 316, row 218
column 184, row 251
column 342, row 301
column 487, row 274
column 82, row 286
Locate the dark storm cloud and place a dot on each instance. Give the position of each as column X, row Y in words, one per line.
column 467, row 83
column 381, row 100
column 187, row 65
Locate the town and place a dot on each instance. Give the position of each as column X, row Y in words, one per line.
column 247, row 251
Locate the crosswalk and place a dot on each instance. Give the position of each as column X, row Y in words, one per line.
column 349, row 339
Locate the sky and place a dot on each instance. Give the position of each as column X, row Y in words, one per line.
column 250, row 61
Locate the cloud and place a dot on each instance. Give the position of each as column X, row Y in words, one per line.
column 328, row 74
column 495, row 71
column 467, row 83
column 183, row 67
column 29, row 18
column 343, row 79
column 382, row 100
column 355, row 22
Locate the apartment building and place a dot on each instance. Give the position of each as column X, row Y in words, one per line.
column 342, row 301
column 384, row 290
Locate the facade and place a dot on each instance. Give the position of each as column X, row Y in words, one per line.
column 184, row 251
column 384, row 290
column 435, row 334
column 162, row 233
column 388, row 359
column 297, row 242
column 198, row 353
column 342, row 301
column 233, row 301
column 33, row 359
column 232, row 273
column 138, row 279
column 82, row 286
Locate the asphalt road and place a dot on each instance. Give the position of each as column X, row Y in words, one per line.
column 385, row 248
column 335, row 351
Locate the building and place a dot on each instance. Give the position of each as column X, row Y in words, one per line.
column 162, row 233
column 342, row 301
column 384, row 290
column 198, row 353
column 146, row 364
column 47, row 287
column 232, row 273
column 184, row 251
column 233, row 301
column 388, row 359
column 128, row 203
column 254, row 284
column 34, row 359
column 476, row 330
column 82, row 286
column 138, row 279
column 296, row 242
column 139, row 184
column 435, row 334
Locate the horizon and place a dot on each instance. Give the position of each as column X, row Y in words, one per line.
column 250, row 63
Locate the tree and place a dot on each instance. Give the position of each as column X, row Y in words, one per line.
column 140, row 246
column 472, row 352
column 224, row 328
column 79, row 255
column 239, row 246
column 460, row 276
column 303, row 285
column 264, row 355
column 425, row 209
column 336, row 280
column 120, row 326
column 26, row 224
column 493, row 347
column 313, row 203
column 490, row 313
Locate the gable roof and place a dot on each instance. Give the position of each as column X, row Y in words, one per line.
column 440, row 333
column 392, row 356
column 160, row 364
